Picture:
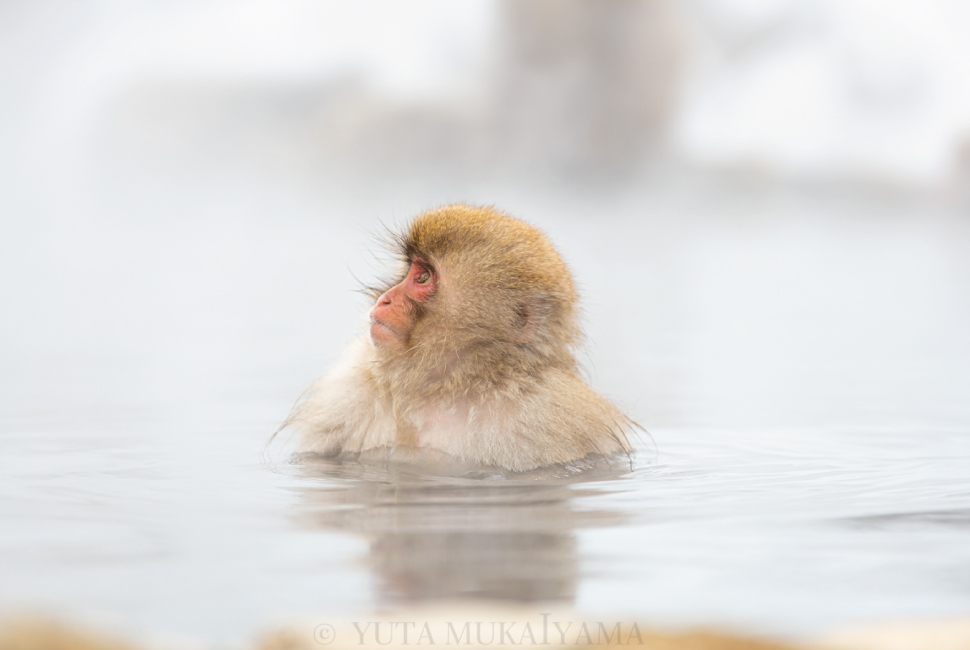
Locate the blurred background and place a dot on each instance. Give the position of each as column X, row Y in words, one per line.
column 766, row 204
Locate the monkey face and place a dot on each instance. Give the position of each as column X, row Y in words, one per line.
column 393, row 317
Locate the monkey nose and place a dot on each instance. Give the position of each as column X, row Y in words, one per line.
column 384, row 299
column 383, row 303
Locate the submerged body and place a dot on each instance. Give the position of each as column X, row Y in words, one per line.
column 470, row 353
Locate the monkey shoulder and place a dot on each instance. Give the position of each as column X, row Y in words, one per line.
column 343, row 410
column 558, row 418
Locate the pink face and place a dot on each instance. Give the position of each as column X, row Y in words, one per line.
column 392, row 318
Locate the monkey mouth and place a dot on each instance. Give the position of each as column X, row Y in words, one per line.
column 374, row 321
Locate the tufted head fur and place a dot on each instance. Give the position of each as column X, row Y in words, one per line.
column 505, row 306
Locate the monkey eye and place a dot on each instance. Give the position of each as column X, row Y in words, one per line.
column 424, row 277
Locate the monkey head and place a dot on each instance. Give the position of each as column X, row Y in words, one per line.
column 478, row 285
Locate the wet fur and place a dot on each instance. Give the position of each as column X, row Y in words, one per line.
column 488, row 374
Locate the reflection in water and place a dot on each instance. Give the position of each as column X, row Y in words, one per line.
column 471, row 533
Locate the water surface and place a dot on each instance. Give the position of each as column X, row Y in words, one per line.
column 801, row 363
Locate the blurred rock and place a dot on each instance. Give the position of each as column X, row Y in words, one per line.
column 40, row 634
column 463, row 621
column 959, row 186
column 585, row 85
column 952, row 634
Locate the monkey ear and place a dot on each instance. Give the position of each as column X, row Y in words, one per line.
column 529, row 316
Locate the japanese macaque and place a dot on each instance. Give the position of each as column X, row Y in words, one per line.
column 470, row 353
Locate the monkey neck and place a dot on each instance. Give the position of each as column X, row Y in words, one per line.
column 431, row 373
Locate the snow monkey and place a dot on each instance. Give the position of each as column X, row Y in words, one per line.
column 470, row 353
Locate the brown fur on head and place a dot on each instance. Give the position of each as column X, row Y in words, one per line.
column 504, row 306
